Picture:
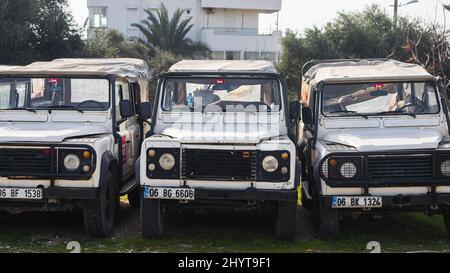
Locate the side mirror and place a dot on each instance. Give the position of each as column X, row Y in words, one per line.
column 126, row 109
column 145, row 110
column 307, row 115
column 294, row 110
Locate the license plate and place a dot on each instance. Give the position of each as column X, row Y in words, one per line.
column 20, row 193
column 169, row 193
column 357, row 202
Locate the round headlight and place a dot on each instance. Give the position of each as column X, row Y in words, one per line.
column 167, row 162
column 72, row 162
column 445, row 168
column 348, row 170
column 270, row 164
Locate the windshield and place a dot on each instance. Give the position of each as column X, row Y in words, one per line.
column 221, row 95
column 54, row 93
column 380, row 98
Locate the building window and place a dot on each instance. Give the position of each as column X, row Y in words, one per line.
column 268, row 56
column 233, row 55
column 251, row 56
column 188, row 11
column 217, row 55
column 98, row 17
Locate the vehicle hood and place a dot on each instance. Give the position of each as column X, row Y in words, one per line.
column 392, row 139
column 46, row 133
column 242, row 136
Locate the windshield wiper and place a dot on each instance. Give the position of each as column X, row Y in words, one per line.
column 25, row 109
column 396, row 112
column 349, row 112
column 64, row 107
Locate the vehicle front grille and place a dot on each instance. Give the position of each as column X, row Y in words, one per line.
column 24, row 162
column 400, row 167
column 219, row 165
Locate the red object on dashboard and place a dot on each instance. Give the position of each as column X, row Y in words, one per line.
column 379, row 85
column 53, row 80
column 219, row 81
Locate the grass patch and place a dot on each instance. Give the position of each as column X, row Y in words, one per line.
column 401, row 232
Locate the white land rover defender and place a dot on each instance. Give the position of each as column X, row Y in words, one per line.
column 375, row 137
column 222, row 137
column 70, row 134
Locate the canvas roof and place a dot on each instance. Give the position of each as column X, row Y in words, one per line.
column 6, row 67
column 131, row 69
column 366, row 70
column 209, row 66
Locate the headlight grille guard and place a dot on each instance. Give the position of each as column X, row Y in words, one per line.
column 20, row 161
column 414, row 168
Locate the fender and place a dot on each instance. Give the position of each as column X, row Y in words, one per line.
column 109, row 163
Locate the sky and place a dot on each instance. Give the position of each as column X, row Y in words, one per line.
column 298, row 15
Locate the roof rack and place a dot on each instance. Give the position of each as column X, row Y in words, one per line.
column 325, row 61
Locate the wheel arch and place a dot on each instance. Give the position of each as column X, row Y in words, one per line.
column 109, row 164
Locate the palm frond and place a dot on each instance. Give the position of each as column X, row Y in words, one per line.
column 169, row 34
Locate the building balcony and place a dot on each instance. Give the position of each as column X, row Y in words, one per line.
column 268, row 6
column 242, row 43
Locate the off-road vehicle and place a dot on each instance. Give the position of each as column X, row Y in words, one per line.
column 70, row 133
column 375, row 137
column 222, row 137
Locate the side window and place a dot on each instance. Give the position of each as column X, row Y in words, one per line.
column 122, row 93
column 431, row 99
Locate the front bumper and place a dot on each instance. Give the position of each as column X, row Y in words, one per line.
column 53, row 199
column 71, row 193
column 64, row 194
column 405, row 201
column 244, row 195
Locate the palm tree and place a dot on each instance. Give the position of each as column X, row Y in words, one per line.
column 169, row 34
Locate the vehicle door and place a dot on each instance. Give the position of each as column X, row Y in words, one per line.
column 128, row 128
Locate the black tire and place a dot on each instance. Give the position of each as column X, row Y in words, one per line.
column 329, row 221
column 306, row 203
column 152, row 218
column 99, row 214
column 134, row 198
column 286, row 225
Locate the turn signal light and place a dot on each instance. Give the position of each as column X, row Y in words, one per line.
column 332, row 162
column 285, row 156
column 86, row 154
column 152, row 153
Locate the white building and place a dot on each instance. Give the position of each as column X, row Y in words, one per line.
column 229, row 27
